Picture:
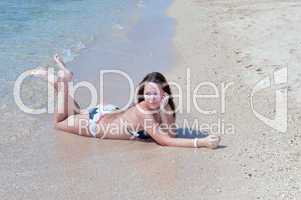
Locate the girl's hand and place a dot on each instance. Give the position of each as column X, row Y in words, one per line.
column 57, row 59
column 212, row 141
column 164, row 101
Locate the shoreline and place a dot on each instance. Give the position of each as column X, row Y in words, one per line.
column 125, row 54
column 135, row 54
column 40, row 162
column 255, row 162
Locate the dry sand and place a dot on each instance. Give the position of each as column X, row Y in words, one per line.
column 220, row 41
column 242, row 42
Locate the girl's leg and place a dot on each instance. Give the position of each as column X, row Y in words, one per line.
column 66, row 105
column 67, row 116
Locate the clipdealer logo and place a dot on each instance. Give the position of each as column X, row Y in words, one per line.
column 278, row 82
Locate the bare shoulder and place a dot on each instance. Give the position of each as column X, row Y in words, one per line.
column 142, row 111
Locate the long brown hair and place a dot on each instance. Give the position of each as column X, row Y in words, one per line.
column 158, row 78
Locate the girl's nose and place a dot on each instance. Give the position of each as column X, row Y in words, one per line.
column 152, row 98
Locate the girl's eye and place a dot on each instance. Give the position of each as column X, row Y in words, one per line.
column 149, row 94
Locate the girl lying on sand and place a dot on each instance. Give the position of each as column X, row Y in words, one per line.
column 151, row 117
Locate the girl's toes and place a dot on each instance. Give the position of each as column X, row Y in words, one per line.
column 39, row 72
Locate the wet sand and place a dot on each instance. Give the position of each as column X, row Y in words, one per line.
column 254, row 162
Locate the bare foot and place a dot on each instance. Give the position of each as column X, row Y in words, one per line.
column 40, row 73
column 211, row 141
column 63, row 74
column 58, row 59
column 43, row 73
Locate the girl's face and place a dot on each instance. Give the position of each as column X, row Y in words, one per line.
column 153, row 94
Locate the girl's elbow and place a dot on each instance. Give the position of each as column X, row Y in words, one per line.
column 165, row 143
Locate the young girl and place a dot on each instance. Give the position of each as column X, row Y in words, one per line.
column 151, row 117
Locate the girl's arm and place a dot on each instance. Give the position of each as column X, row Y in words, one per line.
column 168, row 121
column 162, row 138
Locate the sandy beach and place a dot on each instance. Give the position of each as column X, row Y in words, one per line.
column 242, row 42
column 238, row 43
